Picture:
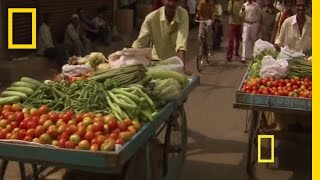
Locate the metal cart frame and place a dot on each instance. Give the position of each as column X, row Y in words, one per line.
column 110, row 162
column 257, row 104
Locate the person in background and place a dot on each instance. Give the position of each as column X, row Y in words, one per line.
column 296, row 31
column 251, row 14
column 46, row 46
column 87, row 25
column 100, row 23
column 192, row 12
column 157, row 4
column 166, row 29
column 279, row 5
column 261, row 3
column 281, row 17
column 206, row 13
column 268, row 15
column 74, row 39
column 217, row 26
column 234, row 28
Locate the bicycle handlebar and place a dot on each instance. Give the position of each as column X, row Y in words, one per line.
column 196, row 20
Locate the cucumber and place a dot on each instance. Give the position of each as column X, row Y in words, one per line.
column 26, row 90
column 22, row 96
column 9, row 100
column 31, row 81
column 23, row 84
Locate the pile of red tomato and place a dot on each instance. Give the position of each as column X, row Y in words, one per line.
column 295, row 87
column 84, row 131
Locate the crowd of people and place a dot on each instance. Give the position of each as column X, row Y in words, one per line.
column 166, row 29
column 277, row 22
column 80, row 37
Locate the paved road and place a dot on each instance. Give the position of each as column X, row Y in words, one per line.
column 217, row 144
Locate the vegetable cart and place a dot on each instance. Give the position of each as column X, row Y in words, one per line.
column 171, row 119
column 257, row 104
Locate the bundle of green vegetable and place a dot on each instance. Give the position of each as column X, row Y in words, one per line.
column 255, row 64
column 299, row 68
column 19, row 91
column 121, row 76
column 131, row 102
column 166, row 74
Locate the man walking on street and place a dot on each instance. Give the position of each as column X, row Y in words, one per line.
column 268, row 16
column 234, row 31
column 251, row 14
column 167, row 29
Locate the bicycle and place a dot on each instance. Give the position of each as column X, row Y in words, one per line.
column 203, row 52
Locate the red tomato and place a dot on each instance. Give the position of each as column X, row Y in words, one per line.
column 34, row 112
column 16, row 107
column 71, row 129
column 22, row 134
column 100, row 139
column 31, row 125
column 114, row 136
column 79, row 117
column 28, row 138
column 116, row 131
column 54, row 116
column 19, row 116
column 81, row 131
column 285, row 92
column 7, row 114
column 70, row 145
column 98, row 133
column 66, row 118
column 30, row 132
column 307, row 79
column 62, row 143
column 127, row 122
column 122, row 126
column 295, row 86
column 97, row 126
column 94, row 147
column 7, row 108
column 2, row 135
column 112, row 124
column 14, row 124
column 44, row 109
column 119, row 141
column 35, row 119
column 62, row 128
column 89, row 135
column 53, row 131
column 65, row 135
column 265, row 92
column 39, row 130
column 275, row 83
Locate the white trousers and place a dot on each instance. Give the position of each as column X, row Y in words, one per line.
column 206, row 27
column 249, row 37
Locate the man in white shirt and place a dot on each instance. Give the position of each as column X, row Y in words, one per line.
column 251, row 14
column 46, row 46
column 296, row 31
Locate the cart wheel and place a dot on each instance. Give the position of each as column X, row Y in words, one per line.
column 252, row 148
column 175, row 138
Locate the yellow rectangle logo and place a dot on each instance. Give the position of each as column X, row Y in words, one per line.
column 33, row 44
column 260, row 160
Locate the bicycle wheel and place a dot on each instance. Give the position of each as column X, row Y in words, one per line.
column 202, row 56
